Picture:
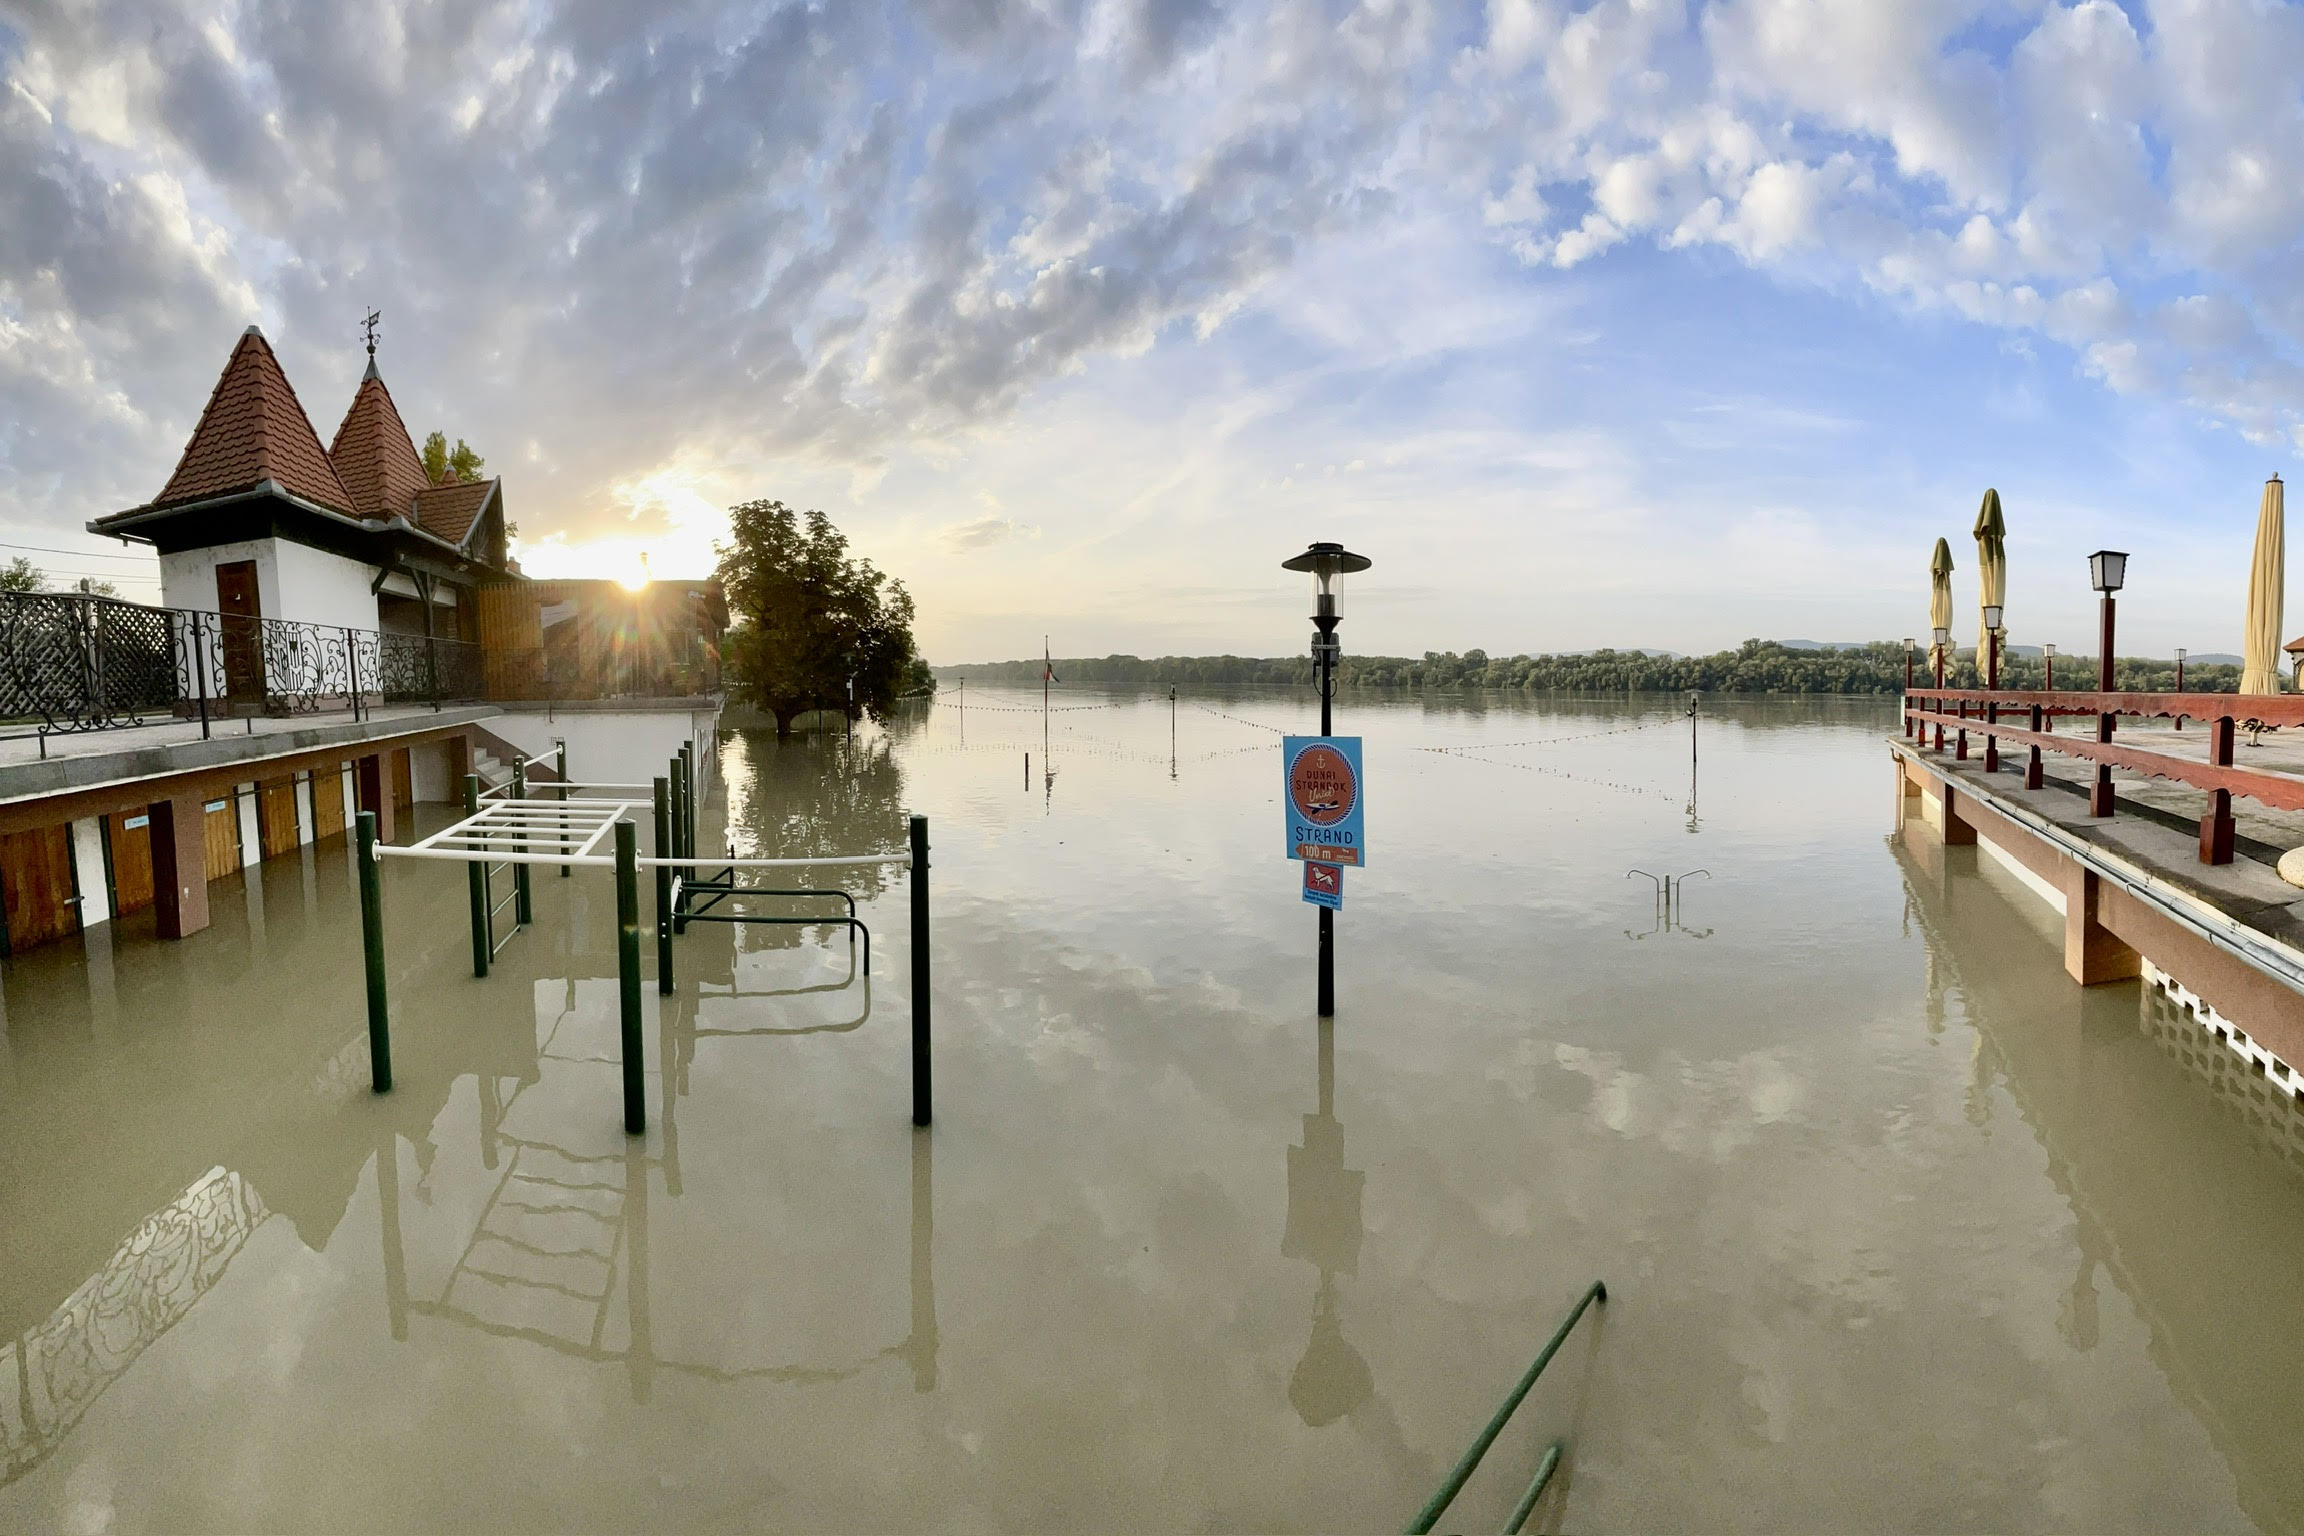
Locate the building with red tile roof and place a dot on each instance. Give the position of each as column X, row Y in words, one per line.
column 259, row 519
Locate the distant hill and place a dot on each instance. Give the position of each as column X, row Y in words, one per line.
column 1756, row 666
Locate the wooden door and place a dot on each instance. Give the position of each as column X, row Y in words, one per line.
column 403, row 781
column 237, row 601
column 327, row 803
column 222, row 830
column 130, row 838
column 276, row 816
column 36, row 885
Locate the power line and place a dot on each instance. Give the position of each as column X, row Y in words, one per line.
column 77, row 554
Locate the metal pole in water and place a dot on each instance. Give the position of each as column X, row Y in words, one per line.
column 1327, row 918
column 663, row 888
column 372, row 947
column 523, row 911
column 920, row 1063
column 688, row 802
column 560, row 767
column 476, row 877
column 628, row 968
column 669, row 828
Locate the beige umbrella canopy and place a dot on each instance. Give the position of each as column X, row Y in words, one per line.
column 1939, row 598
column 1991, row 571
column 2267, row 591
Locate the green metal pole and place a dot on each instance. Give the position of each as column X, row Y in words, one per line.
column 476, row 876
column 1527, row 1505
column 560, row 767
column 663, row 888
column 628, row 972
column 671, row 827
column 372, row 945
column 522, row 908
column 688, row 801
column 921, row 1086
column 1430, row 1514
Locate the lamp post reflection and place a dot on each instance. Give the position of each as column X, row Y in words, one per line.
column 1324, row 1229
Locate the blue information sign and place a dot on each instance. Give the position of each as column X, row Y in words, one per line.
column 1320, row 795
column 1324, row 884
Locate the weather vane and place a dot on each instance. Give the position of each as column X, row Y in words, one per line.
column 368, row 328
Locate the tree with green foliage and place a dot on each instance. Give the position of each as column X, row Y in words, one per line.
column 805, row 618
column 21, row 575
column 444, row 465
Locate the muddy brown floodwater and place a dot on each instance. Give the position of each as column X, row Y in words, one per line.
column 1902, row 1231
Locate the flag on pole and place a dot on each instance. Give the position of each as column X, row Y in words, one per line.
column 1047, row 664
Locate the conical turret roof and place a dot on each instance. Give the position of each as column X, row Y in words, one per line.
column 254, row 429
column 373, row 455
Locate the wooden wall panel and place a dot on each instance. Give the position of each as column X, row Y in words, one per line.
column 36, row 884
column 509, row 619
column 222, row 825
column 276, row 816
column 327, row 802
column 403, row 780
column 131, row 838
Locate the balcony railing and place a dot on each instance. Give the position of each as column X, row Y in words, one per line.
column 1952, row 714
column 72, row 662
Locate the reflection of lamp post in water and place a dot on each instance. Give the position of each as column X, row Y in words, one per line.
column 1693, row 824
column 1326, row 562
column 1324, row 1229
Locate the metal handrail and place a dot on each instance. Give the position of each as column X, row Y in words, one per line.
column 1438, row 1504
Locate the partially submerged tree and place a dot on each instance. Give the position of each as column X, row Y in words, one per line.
column 806, row 618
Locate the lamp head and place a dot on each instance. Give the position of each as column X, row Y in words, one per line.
column 1943, row 636
column 1326, row 562
column 2181, row 653
column 1992, row 617
column 2048, row 651
column 2108, row 570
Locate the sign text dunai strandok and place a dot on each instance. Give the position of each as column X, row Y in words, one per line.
column 1322, row 799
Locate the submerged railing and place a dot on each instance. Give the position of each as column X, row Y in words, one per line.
column 73, row 662
column 1955, row 712
column 1437, row 1505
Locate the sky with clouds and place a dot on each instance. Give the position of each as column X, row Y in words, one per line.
column 1620, row 322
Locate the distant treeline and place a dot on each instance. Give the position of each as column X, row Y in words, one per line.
column 1756, row 666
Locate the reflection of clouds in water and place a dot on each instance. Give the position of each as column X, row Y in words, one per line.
column 1707, row 1109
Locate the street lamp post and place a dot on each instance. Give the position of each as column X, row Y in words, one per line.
column 1943, row 643
column 1991, row 683
column 2107, row 573
column 1325, row 562
column 2179, row 681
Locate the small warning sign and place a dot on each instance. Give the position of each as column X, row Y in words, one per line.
column 1324, row 884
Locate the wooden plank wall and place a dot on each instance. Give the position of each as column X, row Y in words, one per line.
column 36, row 885
column 222, row 826
column 327, row 803
column 511, row 635
column 130, row 837
column 276, row 816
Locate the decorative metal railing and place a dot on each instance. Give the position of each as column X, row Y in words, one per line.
column 73, row 662
column 1994, row 715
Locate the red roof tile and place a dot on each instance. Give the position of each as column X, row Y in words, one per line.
column 373, row 455
column 448, row 511
column 254, row 428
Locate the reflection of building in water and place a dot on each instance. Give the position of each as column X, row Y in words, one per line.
column 2240, row 1074
column 1324, row 1229
column 2185, row 1198
column 52, row 1374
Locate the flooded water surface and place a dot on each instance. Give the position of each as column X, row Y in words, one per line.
column 1901, row 1230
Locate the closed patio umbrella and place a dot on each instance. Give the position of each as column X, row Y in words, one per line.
column 1991, row 572
column 1940, row 599
column 2267, row 591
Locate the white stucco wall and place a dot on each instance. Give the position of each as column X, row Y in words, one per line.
column 428, row 774
column 293, row 581
column 626, row 747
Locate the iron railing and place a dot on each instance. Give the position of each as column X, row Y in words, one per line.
column 73, row 662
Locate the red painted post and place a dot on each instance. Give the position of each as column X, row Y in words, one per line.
column 1960, row 747
column 1938, row 704
column 2100, row 793
column 1907, row 690
column 2216, row 826
column 2033, row 773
